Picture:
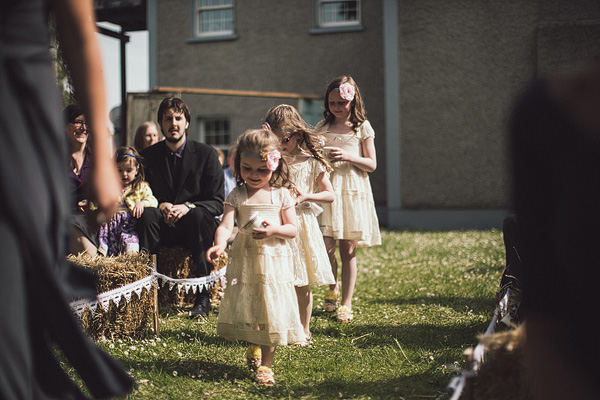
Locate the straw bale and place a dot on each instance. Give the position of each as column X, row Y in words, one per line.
column 502, row 374
column 127, row 319
column 176, row 262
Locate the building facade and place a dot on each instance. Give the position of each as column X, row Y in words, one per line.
column 438, row 78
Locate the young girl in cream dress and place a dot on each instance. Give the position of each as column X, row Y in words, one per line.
column 350, row 221
column 309, row 172
column 259, row 305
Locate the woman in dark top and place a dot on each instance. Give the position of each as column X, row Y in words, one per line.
column 36, row 322
column 85, row 228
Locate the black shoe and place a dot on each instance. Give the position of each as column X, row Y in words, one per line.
column 201, row 305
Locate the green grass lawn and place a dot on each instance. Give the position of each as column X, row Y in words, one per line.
column 420, row 300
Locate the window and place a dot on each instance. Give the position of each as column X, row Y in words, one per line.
column 215, row 132
column 338, row 15
column 213, row 19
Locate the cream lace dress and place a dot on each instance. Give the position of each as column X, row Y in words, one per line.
column 312, row 265
column 260, row 304
column 352, row 214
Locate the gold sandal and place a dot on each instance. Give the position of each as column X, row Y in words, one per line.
column 253, row 356
column 330, row 304
column 307, row 342
column 344, row 314
column 264, row 376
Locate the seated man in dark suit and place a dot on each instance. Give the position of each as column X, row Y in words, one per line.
column 187, row 179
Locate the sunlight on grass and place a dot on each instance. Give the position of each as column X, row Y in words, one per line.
column 420, row 300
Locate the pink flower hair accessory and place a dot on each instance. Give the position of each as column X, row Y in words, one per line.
column 347, row 91
column 272, row 158
column 266, row 126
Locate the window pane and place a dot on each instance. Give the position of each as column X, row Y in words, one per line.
column 339, row 12
column 216, row 132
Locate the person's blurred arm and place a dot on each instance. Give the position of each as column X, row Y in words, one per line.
column 76, row 27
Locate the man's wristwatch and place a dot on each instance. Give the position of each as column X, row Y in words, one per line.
column 189, row 205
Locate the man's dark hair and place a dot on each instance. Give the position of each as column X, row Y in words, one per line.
column 176, row 103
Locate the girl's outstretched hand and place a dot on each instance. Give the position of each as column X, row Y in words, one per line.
column 213, row 253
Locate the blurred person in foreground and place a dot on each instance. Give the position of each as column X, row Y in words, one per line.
column 37, row 281
column 555, row 132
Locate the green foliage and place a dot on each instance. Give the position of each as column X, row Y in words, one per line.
column 421, row 299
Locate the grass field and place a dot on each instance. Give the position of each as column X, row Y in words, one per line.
column 420, row 300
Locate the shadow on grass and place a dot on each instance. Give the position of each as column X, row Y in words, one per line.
column 409, row 337
column 417, row 386
column 477, row 305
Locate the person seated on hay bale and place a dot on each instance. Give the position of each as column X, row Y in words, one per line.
column 187, row 179
column 118, row 236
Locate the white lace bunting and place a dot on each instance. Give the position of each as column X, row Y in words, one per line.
column 115, row 295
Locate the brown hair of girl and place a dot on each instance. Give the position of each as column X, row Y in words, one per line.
column 358, row 113
column 255, row 141
column 130, row 155
column 286, row 119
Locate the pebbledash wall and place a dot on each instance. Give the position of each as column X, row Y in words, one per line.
column 438, row 77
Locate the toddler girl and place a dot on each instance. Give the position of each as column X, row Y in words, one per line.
column 117, row 235
column 309, row 171
column 351, row 219
column 259, row 305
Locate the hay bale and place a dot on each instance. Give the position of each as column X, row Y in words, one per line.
column 133, row 318
column 176, row 262
column 502, row 374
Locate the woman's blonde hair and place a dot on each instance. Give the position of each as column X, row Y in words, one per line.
column 257, row 140
column 358, row 113
column 285, row 118
column 138, row 141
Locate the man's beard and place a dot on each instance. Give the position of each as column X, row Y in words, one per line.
column 172, row 139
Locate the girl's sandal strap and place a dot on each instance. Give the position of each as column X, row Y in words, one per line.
column 330, row 303
column 307, row 342
column 344, row 314
column 253, row 357
column 264, row 376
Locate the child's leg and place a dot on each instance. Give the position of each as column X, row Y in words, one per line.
column 330, row 245
column 305, row 303
column 348, row 257
column 268, row 352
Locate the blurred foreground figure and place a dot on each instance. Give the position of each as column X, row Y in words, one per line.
column 555, row 133
column 37, row 282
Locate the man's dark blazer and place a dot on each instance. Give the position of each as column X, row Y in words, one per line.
column 201, row 179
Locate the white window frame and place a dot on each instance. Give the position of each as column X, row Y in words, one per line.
column 336, row 25
column 197, row 33
column 203, row 134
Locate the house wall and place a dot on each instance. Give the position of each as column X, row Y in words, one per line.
column 461, row 64
column 274, row 52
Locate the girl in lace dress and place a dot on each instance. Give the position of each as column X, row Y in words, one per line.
column 259, row 305
column 309, row 171
column 117, row 236
column 351, row 220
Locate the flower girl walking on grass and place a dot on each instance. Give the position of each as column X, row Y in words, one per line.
column 351, row 219
column 309, row 172
column 117, row 235
column 259, row 305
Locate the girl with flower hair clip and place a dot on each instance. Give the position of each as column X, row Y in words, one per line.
column 351, row 220
column 309, row 171
column 259, row 305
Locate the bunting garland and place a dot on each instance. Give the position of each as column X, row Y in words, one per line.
column 115, row 295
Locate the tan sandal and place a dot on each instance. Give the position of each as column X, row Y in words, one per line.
column 253, row 357
column 344, row 314
column 307, row 342
column 264, row 376
column 330, row 304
